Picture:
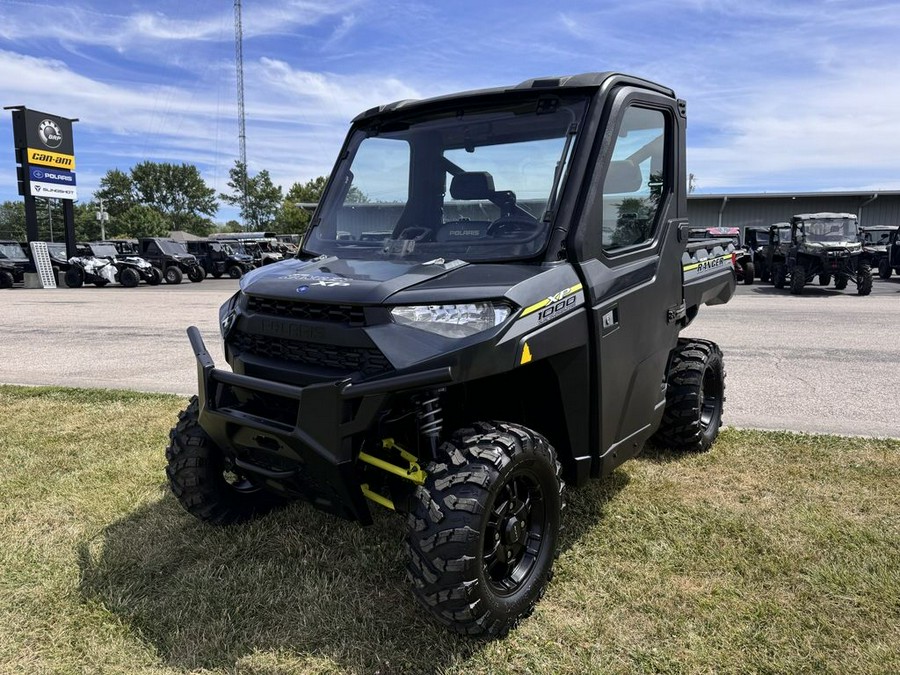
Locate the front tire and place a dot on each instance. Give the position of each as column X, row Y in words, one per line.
column 129, row 277
column 235, row 272
column 840, row 281
column 864, row 279
column 74, row 277
column 154, row 276
column 201, row 480
column 695, row 397
column 884, row 269
column 196, row 274
column 824, row 279
column 6, row 279
column 484, row 528
column 798, row 279
column 173, row 275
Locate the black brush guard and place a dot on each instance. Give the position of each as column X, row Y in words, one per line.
column 297, row 441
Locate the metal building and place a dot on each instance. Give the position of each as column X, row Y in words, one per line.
column 741, row 210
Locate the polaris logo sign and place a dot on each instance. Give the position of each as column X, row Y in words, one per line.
column 55, row 183
column 42, row 175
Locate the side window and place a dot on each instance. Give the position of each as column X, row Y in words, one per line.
column 635, row 180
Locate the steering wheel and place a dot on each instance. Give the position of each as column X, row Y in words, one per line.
column 506, row 227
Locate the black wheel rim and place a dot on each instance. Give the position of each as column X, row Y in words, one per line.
column 710, row 398
column 514, row 535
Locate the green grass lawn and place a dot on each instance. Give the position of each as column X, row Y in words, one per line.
column 771, row 553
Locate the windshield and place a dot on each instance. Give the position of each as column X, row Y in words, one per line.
column 877, row 237
column 468, row 184
column 829, row 229
column 12, row 251
column 170, row 247
column 103, row 250
column 57, row 251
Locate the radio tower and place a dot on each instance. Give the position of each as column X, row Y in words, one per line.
column 242, row 128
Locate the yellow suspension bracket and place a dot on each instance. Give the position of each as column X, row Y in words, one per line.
column 413, row 472
column 377, row 498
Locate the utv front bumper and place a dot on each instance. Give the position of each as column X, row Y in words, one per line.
column 298, row 441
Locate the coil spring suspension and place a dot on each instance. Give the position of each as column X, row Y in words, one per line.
column 430, row 420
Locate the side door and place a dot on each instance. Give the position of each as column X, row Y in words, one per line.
column 633, row 273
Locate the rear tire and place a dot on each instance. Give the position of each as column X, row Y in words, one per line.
column 6, row 279
column 100, row 283
column 235, row 272
column 695, row 397
column 779, row 276
column 129, row 277
column 864, row 279
column 824, row 279
column 484, row 528
column 74, row 277
column 884, row 269
column 798, row 279
column 199, row 478
column 173, row 275
column 840, row 281
column 749, row 271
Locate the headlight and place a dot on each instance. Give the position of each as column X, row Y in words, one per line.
column 454, row 321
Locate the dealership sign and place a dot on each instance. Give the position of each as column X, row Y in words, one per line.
column 46, row 151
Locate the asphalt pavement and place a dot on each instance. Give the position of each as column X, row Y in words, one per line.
column 826, row 361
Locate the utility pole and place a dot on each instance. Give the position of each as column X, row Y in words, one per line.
column 103, row 217
column 242, row 129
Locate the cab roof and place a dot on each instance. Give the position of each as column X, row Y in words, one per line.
column 561, row 83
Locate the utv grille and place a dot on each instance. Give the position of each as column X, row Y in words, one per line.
column 368, row 361
column 311, row 311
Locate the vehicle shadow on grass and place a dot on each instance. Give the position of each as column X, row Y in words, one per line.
column 298, row 587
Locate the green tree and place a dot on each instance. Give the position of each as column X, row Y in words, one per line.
column 293, row 218
column 259, row 204
column 12, row 220
column 117, row 192
column 140, row 221
column 178, row 192
column 231, row 226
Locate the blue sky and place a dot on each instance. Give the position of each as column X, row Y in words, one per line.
column 782, row 96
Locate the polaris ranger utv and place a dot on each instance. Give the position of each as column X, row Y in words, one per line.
column 875, row 242
column 517, row 331
column 826, row 245
column 743, row 254
column 172, row 258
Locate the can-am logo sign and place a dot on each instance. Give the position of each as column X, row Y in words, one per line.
column 50, row 133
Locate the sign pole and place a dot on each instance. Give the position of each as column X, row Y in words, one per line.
column 69, row 220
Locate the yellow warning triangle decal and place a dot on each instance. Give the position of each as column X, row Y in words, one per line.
column 526, row 355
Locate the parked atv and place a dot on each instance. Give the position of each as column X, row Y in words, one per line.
column 875, row 242
column 13, row 263
column 825, row 245
column 100, row 265
column 219, row 258
column 172, row 258
column 743, row 255
column 492, row 349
